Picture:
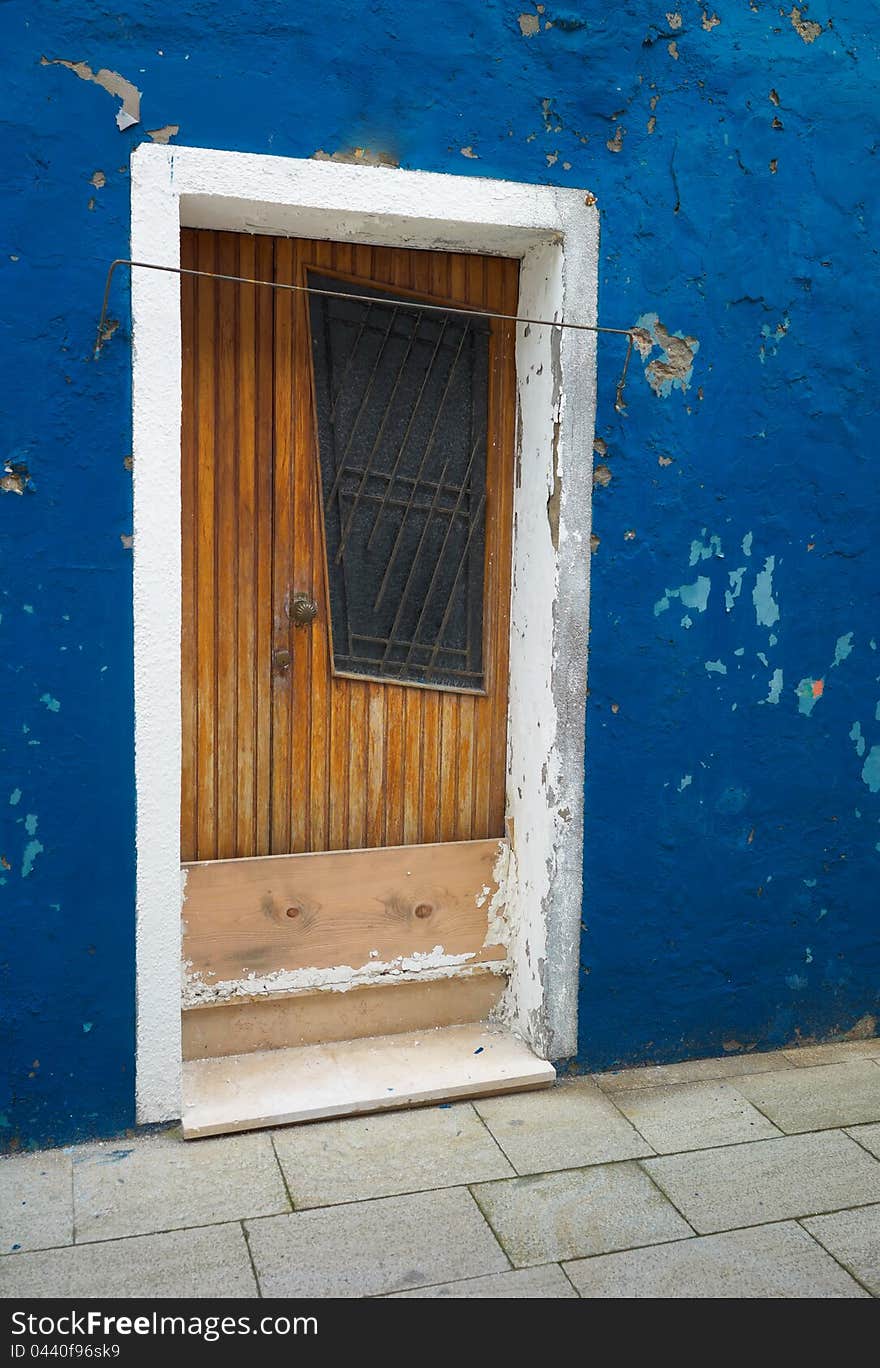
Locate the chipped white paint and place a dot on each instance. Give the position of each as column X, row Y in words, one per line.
column 421, row 967
column 555, row 234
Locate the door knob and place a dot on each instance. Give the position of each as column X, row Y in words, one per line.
column 303, row 610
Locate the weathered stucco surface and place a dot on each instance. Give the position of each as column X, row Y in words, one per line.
column 733, row 731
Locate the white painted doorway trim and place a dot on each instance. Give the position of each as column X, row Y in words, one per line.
column 555, row 234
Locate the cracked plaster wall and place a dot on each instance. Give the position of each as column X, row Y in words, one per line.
column 733, row 737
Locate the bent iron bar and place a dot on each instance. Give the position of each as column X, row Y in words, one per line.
column 103, row 336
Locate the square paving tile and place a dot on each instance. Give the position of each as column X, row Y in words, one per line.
column 690, row 1071
column 567, row 1126
column 367, row 1248
column 545, row 1280
column 853, row 1237
column 577, row 1212
column 161, row 1182
column 179, row 1263
column 767, row 1261
column 828, row 1095
column 36, row 1201
column 693, row 1116
column 835, row 1052
column 767, row 1180
column 381, row 1156
column 868, row 1136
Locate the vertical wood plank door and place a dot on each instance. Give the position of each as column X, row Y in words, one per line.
column 347, row 484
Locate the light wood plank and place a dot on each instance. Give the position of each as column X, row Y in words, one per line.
column 309, row 1018
column 348, row 907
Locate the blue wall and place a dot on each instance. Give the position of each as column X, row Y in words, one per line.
column 733, row 787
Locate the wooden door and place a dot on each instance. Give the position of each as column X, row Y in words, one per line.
column 339, row 454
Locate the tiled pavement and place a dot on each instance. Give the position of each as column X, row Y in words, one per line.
column 748, row 1176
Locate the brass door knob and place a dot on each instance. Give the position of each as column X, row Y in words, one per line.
column 303, row 610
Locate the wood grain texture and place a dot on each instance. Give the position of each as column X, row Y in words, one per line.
column 309, row 1018
column 351, row 907
column 287, row 758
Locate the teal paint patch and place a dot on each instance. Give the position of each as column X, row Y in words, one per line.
column 807, row 696
column 747, row 544
column 694, row 595
column 871, row 770
column 736, row 583
column 811, row 883
column 30, row 824
column 740, row 651
column 775, row 691
column 31, row 851
column 687, row 622
column 843, row 649
column 704, row 550
column 796, row 982
column 686, row 781
column 15, row 797
column 855, row 734
column 716, row 667
column 51, row 703
column 877, row 713
column 27, row 607
column 766, row 607
column 763, row 659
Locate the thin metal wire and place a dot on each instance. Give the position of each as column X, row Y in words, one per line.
column 629, row 333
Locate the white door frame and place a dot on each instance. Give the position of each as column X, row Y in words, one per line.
column 555, row 234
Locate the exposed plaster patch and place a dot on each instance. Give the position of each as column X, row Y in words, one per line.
column 130, row 111
column 601, row 475
column 16, row 478
column 673, row 20
column 529, row 25
column 357, row 156
column 807, row 29
column 469, row 152
column 615, row 144
column 674, row 368
column 709, row 21
column 672, row 49
column 98, row 180
column 164, row 134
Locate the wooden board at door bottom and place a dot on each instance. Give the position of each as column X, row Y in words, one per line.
column 274, row 1023
column 283, row 922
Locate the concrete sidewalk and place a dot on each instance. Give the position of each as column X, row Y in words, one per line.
column 750, row 1176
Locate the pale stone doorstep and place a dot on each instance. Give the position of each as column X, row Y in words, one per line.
column 274, row 1087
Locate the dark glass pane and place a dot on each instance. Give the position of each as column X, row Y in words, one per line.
column 401, row 398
